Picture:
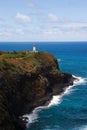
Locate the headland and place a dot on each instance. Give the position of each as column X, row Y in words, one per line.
column 27, row 80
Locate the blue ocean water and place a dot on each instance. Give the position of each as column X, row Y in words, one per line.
column 71, row 112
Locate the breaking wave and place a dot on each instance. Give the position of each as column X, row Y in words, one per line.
column 32, row 117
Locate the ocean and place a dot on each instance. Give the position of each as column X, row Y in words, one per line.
column 67, row 111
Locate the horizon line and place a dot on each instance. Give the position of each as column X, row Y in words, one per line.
column 39, row 41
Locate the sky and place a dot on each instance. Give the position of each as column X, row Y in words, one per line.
column 43, row 20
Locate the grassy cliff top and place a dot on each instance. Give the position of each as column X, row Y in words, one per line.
column 25, row 60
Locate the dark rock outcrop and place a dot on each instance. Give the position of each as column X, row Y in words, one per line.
column 27, row 81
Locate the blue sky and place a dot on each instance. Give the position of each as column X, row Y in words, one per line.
column 43, row 20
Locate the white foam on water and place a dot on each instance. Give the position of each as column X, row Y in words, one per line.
column 57, row 99
column 58, row 60
column 79, row 80
column 81, row 128
column 32, row 117
column 84, row 128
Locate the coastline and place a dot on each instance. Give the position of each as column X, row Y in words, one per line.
column 55, row 100
column 31, row 84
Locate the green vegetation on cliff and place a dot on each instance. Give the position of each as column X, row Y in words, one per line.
column 27, row 80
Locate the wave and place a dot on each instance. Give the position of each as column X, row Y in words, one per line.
column 79, row 80
column 81, row 128
column 57, row 99
column 32, row 117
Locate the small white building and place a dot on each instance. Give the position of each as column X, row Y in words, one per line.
column 34, row 48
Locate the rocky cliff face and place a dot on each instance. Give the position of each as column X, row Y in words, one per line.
column 27, row 80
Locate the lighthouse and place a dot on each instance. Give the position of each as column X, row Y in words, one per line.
column 34, row 48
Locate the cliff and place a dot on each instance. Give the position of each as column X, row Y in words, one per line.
column 27, row 80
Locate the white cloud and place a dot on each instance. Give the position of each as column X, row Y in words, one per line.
column 5, row 33
column 23, row 17
column 65, row 31
column 53, row 17
column 74, row 25
column 20, row 31
column 71, row 26
column 0, row 33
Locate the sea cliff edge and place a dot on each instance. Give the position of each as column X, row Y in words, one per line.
column 27, row 80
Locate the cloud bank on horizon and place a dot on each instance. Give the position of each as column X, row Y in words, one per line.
column 38, row 20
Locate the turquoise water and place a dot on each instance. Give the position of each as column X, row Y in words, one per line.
column 70, row 113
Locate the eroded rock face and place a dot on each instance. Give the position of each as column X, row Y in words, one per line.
column 27, row 81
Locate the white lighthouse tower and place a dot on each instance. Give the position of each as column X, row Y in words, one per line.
column 34, row 48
